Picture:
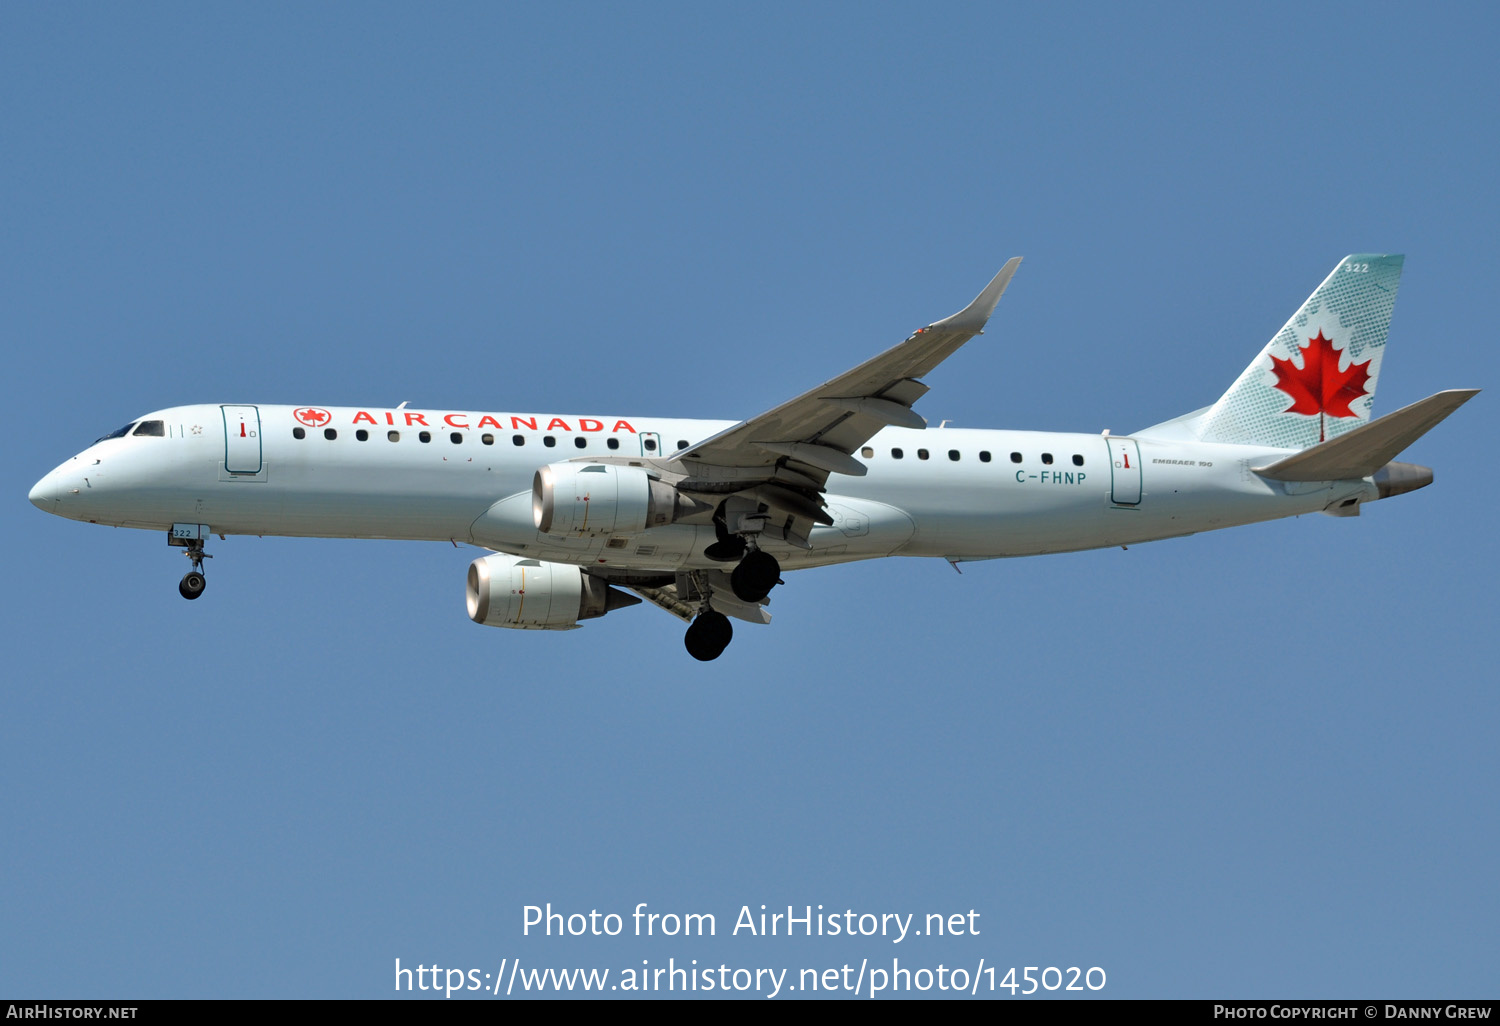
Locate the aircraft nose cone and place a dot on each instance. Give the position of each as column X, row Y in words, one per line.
column 44, row 493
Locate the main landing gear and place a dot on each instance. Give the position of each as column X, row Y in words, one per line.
column 750, row 581
column 193, row 582
column 708, row 636
column 757, row 572
column 755, row 576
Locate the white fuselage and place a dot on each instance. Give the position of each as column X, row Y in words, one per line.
column 956, row 494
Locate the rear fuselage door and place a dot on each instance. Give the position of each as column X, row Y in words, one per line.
column 242, row 439
column 1125, row 471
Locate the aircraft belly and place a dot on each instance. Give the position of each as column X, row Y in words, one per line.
column 862, row 529
column 1004, row 517
column 509, row 525
column 1185, row 489
column 342, row 502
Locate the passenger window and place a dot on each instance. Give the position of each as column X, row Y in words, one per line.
column 549, row 441
column 1047, row 458
column 298, row 433
column 650, row 445
column 922, row 454
column 682, row 443
column 518, row 439
column 984, row 456
column 330, row 434
column 424, row 436
column 580, row 442
column 487, row 439
column 613, row 443
column 867, row 452
column 896, row 454
column 155, row 428
column 1077, row 460
column 394, row 436
column 1015, row 457
column 953, row 455
column 362, row 435
column 456, row 437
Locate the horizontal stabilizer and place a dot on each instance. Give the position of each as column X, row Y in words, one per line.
column 1369, row 447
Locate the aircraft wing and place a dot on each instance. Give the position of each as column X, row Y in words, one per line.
column 818, row 432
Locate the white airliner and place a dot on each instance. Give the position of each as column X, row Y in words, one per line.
column 702, row 517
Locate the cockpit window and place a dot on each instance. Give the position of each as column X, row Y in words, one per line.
column 151, row 427
column 115, row 434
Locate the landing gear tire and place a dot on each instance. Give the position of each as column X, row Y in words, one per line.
column 727, row 548
column 756, row 575
column 192, row 585
column 708, row 636
column 726, row 551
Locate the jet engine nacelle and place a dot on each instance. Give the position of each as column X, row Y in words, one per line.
column 601, row 498
column 510, row 591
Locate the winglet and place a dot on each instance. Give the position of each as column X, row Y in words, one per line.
column 974, row 316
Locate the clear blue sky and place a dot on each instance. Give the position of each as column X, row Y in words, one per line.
column 1260, row 762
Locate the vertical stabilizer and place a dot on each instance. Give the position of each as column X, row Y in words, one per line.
column 1315, row 379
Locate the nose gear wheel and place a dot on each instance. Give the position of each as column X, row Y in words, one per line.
column 193, row 582
column 192, row 585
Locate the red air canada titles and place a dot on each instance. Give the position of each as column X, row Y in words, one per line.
column 412, row 418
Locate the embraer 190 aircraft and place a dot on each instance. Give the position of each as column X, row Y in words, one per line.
column 587, row 514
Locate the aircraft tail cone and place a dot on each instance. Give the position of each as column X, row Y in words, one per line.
column 1397, row 478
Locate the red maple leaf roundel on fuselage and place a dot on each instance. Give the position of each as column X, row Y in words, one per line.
column 1318, row 386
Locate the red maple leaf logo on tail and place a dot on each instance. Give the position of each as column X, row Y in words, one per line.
column 1318, row 386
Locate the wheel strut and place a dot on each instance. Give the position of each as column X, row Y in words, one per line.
column 193, row 582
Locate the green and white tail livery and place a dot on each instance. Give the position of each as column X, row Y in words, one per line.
column 1315, row 379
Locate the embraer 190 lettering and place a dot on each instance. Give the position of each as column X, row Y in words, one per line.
column 585, row 514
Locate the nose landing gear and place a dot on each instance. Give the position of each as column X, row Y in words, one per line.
column 193, row 582
column 192, row 585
